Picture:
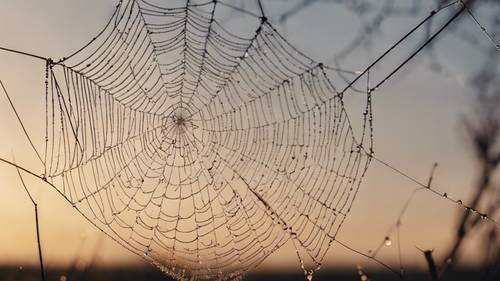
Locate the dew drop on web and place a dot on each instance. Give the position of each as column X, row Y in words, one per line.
column 388, row 241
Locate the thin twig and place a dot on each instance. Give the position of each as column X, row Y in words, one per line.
column 35, row 205
column 431, row 264
column 431, row 176
column 397, row 225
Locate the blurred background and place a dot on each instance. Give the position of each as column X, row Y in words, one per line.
column 441, row 108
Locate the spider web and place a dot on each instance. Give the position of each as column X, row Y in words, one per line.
column 199, row 148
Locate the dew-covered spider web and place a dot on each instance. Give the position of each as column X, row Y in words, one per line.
column 202, row 147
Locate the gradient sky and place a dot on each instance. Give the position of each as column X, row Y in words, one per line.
column 417, row 122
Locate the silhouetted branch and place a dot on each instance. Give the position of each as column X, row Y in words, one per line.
column 484, row 133
column 433, row 271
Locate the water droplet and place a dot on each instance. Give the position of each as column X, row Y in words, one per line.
column 309, row 275
column 387, row 241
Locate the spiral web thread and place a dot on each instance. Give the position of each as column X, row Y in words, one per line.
column 199, row 149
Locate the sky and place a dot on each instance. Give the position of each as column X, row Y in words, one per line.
column 418, row 121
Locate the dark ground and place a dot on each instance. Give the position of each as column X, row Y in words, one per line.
column 149, row 274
